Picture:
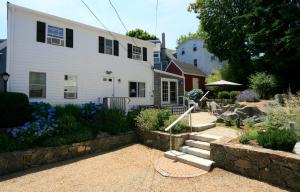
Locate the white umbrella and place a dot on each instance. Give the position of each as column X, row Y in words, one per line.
column 222, row 83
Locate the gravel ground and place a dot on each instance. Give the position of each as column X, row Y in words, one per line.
column 128, row 169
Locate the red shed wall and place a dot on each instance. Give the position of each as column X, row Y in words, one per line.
column 172, row 68
column 189, row 82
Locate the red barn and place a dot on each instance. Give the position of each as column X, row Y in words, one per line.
column 194, row 78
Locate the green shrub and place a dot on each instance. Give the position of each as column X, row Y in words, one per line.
column 248, row 136
column 263, row 84
column 131, row 118
column 195, row 94
column 79, row 135
column 278, row 139
column 114, row 121
column 152, row 119
column 223, row 95
column 14, row 109
column 178, row 128
column 234, row 94
column 72, row 110
column 9, row 144
column 67, row 123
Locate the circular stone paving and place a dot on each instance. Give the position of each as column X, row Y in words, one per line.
column 170, row 168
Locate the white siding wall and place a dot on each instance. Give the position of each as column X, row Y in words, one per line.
column 26, row 54
column 202, row 55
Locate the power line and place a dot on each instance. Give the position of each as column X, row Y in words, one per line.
column 119, row 17
column 156, row 17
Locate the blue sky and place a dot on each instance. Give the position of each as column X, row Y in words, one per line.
column 173, row 17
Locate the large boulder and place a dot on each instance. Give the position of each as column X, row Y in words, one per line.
column 248, row 111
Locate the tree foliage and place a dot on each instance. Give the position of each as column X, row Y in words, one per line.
column 263, row 84
column 253, row 35
column 197, row 35
column 141, row 34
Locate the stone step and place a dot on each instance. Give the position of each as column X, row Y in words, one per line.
column 195, row 151
column 192, row 160
column 204, row 137
column 198, row 144
column 203, row 126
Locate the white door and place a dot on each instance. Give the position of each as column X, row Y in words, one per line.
column 195, row 83
column 169, row 91
column 108, row 86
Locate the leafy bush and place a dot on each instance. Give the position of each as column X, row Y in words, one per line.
column 152, row 119
column 80, row 135
column 67, row 123
column 234, row 94
column 14, row 109
column 178, row 128
column 43, row 123
column 195, row 94
column 73, row 110
column 131, row 118
column 263, row 84
column 278, row 139
column 248, row 136
column 248, row 95
column 114, row 121
column 223, row 95
column 88, row 110
column 9, row 144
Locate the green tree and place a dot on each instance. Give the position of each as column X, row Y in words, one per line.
column 253, row 35
column 141, row 34
column 199, row 34
column 263, row 84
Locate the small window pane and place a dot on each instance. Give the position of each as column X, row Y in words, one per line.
column 37, row 85
column 142, row 89
column 108, row 46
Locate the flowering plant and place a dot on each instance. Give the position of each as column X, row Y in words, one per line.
column 43, row 123
column 195, row 94
column 248, row 95
column 89, row 109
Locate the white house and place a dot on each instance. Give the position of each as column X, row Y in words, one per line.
column 195, row 52
column 59, row 61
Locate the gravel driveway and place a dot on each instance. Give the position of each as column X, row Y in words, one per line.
column 127, row 169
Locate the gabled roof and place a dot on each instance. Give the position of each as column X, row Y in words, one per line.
column 187, row 68
column 170, row 54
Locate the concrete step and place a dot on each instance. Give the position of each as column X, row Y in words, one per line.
column 204, row 137
column 198, row 144
column 203, row 126
column 192, row 160
column 195, row 151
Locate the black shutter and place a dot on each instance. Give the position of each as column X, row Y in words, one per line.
column 101, row 44
column 116, row 48
column 129, row 50
column 144, row 54
column 40, row 31
column 69, row 38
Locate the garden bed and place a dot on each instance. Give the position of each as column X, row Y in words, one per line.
column 21, row 160
column 275, row 167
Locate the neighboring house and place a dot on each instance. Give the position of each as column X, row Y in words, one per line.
column 194, row 78
column 2, row 62
column 59, row 61
column 194, row 51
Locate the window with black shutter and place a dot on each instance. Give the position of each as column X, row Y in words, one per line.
column 129, row 50
column 69, row 38
column 40, row 31
column 144, row 54
column 116, row 48
column 101, row 44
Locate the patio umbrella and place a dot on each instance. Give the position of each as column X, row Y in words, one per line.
column 222, row 83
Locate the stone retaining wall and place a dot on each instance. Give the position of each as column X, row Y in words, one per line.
column 161, row 140
column 275, row 167
column 20, row 160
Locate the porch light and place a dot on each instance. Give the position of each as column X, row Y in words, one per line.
column 5, row 77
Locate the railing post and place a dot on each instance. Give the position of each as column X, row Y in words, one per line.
column 170, row 139
column 190, row 120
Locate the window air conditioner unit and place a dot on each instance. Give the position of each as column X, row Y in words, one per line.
column 55, row 41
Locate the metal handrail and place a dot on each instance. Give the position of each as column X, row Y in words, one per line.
column 169, row 128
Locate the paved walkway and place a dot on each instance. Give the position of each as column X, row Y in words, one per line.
column 202, row 117
column 127, row 169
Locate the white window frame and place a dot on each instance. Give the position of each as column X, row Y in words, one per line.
column 73, row 78
column 43, row 86
column 106, row 47
column 158, row 57
column 136, row 53
column 56, row 39
column 138, row 95
column 169, row 92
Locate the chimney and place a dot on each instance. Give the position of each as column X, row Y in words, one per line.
column 163, row 41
